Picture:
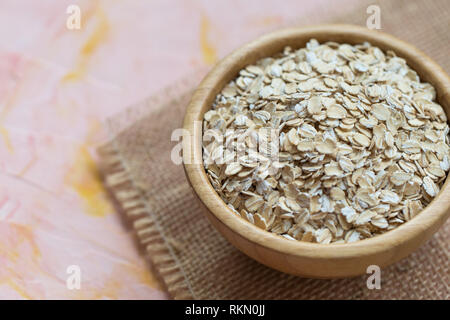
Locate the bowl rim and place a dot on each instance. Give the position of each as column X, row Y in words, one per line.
column 413, row 231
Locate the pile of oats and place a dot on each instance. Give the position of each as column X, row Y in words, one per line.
column 362, row 146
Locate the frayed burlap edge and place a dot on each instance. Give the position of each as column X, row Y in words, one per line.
column 117, row 178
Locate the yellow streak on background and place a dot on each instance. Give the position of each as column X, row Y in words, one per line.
column 18, row 289
column 27, row 166
column 92, row 43
column 21, row 235
column 6, row 139
column 116, row 283
column 208, row 51
column 147, row 278
column 85, row 179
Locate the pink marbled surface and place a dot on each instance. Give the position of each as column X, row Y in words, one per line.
column 57, row 87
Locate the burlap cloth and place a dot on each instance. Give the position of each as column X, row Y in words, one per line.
column 192, row 259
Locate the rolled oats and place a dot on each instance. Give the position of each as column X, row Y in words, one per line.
column 361, row 144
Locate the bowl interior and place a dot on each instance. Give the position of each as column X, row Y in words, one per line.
column 415, row 231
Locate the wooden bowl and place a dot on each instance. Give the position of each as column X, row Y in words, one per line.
column 296, row 257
